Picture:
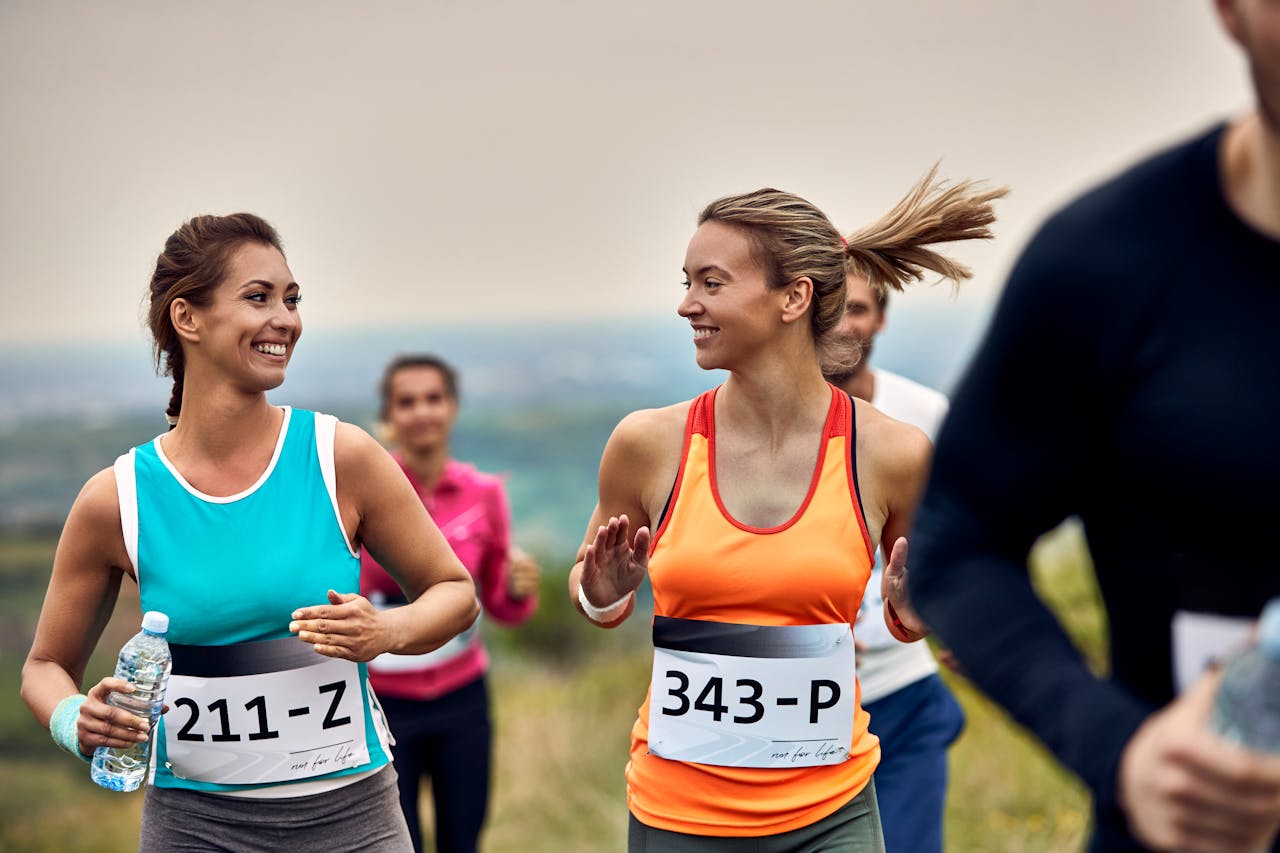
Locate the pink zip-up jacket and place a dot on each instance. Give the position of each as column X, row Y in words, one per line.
column 471, row 510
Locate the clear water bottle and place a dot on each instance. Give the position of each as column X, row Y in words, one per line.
column 1247, row 710
column 145, row 663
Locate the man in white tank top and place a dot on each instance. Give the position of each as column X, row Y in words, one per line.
column 912, row 711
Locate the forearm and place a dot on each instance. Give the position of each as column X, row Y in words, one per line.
column 44, row 685
column 984, row 608
column 440, row 613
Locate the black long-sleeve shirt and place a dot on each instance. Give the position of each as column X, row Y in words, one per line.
column 1128, row 377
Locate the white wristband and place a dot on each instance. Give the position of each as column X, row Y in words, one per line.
column 603, row 614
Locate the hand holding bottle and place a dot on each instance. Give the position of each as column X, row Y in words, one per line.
column 104, row 724
column 1202, row 774
column 137, row 692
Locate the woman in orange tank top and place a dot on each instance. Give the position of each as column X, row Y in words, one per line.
column 760, row 552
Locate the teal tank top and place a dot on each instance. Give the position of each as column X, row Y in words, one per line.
column 231, row 570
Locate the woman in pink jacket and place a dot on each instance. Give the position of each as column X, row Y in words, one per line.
column 437, row 704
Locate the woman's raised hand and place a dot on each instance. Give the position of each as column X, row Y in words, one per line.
column 899, row 616
column 614, row 565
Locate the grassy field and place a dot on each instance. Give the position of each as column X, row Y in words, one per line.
column 565, row 697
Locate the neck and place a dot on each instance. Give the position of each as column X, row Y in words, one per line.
column 1250, row 163
column 861, row 384
column 774, row 399
column 427, row 465
column 218, row 422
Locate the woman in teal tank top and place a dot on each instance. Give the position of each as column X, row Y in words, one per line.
column 243, row 524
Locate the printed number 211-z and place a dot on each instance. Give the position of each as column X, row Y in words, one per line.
column 258, row 704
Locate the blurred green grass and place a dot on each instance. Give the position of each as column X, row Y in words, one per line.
column 565, row 696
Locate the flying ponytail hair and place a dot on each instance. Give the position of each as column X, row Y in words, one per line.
column 194, row 262
column 792, row 238
column 894, row 250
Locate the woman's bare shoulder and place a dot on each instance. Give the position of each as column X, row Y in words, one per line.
column 652, row 427
column 888, row 444
column 648, row 439
column 641, row 458
column 353, row 445
column 93, row 526
column 99, row 500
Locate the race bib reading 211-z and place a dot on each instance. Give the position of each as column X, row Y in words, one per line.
column 751, row 695
column 255, row 713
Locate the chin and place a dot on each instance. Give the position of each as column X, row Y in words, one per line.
column 707, row 361
column 272, row 381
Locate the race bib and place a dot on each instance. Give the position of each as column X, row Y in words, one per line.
column 255, row 713
column 751, row 695
column 1204, row 640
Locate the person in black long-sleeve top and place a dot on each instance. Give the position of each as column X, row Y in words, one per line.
column 1128, row 378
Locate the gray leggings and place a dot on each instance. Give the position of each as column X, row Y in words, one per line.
column 364, row 815
column 852, row 828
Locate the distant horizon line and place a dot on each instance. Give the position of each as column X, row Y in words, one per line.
column 140, row 335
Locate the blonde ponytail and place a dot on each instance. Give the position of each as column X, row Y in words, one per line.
column 894, row 250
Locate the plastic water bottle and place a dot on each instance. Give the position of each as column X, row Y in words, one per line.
column 145, row 663
column 1247, row 710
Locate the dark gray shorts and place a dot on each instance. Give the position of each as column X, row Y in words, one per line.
column 852, row 828
column 364, row 815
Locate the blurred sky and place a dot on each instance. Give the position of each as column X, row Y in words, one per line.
column 432, row 162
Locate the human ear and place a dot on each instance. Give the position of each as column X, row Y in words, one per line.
column 183, row 318
column 796, row 299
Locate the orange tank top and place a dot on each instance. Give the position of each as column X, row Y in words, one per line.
column 811, row 570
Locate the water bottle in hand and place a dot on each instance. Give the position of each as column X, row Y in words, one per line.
column 1247, row 710
column 145, row 663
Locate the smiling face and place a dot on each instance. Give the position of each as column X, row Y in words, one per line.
column 733, row 312
column 249, row 329
column 420, row 408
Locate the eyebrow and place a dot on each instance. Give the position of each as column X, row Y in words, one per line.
column 709, row 268
column 268, row 284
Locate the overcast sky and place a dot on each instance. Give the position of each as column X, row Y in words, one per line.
column 433, row 162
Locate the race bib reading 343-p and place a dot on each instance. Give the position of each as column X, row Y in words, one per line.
column 751, row 695
column 255, row 713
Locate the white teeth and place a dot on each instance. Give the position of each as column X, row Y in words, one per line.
column 270, row 349
column 703, row 333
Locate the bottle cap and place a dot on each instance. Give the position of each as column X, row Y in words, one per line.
column 1269, row 629
column 155, row 622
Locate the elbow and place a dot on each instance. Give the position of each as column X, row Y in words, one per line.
column 24, row 687
column 470, row 606
column 28, row 688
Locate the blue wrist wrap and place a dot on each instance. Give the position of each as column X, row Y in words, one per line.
column 62, row 725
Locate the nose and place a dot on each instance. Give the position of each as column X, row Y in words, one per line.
column 284, row 317
column 689, row 306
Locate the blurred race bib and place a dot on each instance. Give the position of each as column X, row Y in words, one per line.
column 1204, row 640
